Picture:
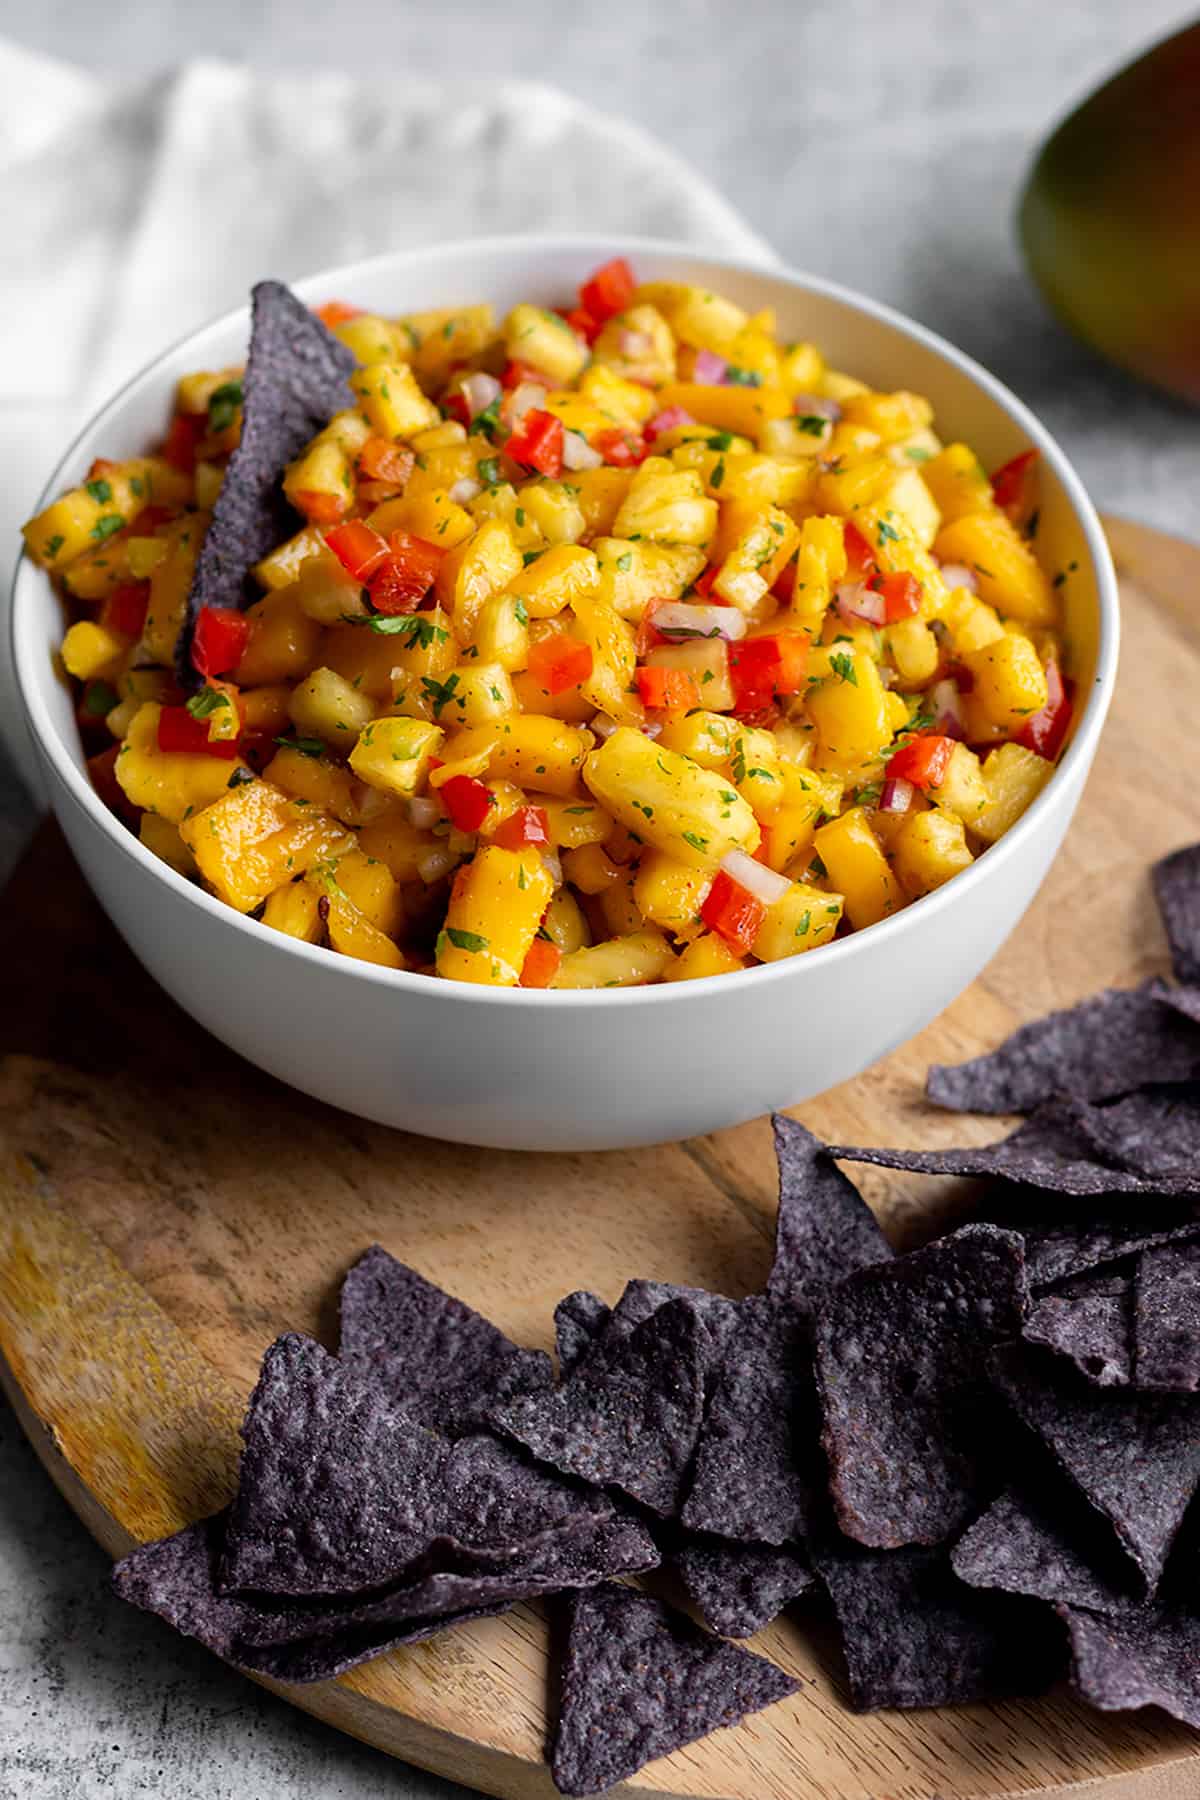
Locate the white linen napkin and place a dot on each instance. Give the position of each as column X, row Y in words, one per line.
column 136, row 210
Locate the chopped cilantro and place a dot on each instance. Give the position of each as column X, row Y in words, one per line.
column 916, row 454
column 697, row 842
column 307, row 746
column 487, row 422
column 803, row 923
column 720, row 441
column 489, row 471
column 419, row 632
column 736, row 377
column 105, row 526
column 529, row 556
column 206, row 702
column 223, row 405
column 99, row 698
column 440, row 692
column 53, row 546
column 101, row 491
column 888, row 533
column 718, row 474
column 625, row 562
column 843, row 667
column 813, row 424
column 521, row 612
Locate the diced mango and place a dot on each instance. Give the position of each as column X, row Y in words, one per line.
column 1010, row 577
column 496, row 905
column 670, row 893
column 393, row 403
column 254, row 839
column 393, row 754
column 295, row 910
column 173, row 783
column 858, row 868
column 620, row 962
column 532, row 750
column 706, row 955
column 545, row 342
column 474, row 571
column 1009, row 681
column 668, row 801
column 849, row 709
column 666, row 505
column 802, row 919
column 958, row 482
column 283, row 641
column 752, row 547
column 633, row 572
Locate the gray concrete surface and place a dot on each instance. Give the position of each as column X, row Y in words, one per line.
column 879, row 144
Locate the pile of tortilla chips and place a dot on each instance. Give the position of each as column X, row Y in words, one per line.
column 983, row 1455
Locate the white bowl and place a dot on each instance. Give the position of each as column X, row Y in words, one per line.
column 581, row 1071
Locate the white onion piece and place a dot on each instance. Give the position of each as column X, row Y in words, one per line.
column 946, row 704
column 465, row 489
column 857, row 601
column 635, row 343
column 603, row 726
column 424, row 813
column 479, row 390
column 653, row 723
column 683, row 619
column 667, row 420
column 958, row 575
column 554, row 867
column 525, row 398
column 577, row 453
column 755, row 877
column 709, row 368
column 436, row 862
column 897, row 795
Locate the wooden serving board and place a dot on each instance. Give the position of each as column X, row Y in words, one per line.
column 165, row 1211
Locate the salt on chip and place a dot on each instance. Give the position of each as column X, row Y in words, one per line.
column 915, row 1636
column 1090, row 1321
column 1041, row 1545
column 1146, row 1656
column 740, row 1588
column 442, row 1361
column 641, row 1681
column 1167, row 1318
column 901, row 1362
column 1177, row 889
column 825, row 1229
column 1135, row 1457
column 1107, row 1045
column 296, row 379
column 758, row 1463
column 628, row 1418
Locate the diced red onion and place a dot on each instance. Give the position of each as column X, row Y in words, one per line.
column 857, row 601
column 527, row 396
column 958, row 575
column 897, row 796
column 709, row 368
column 479, row 390
column 603, row 726
column 946, row 704
column 465, row 489
column 437, row 861
column 667, row 420
column 577, row 453
column 755, row 877
column 680, row 619
column 635, row 343
column 424, row 813
column 653, row 724
column 816, row 406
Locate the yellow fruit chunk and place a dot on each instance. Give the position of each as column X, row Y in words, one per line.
column 161, row 837
column 472, row 573
column 531, row 750
column 394, row 754
column 91, row 652
column 294, row 910
column 255, row 839
column 958, row 482
column 283, row 641
column 496, row 905
column 633, row 572
column 963, row 791
column 392, row 401
column 1010, row 682
column 326, row 705
column 666, row 505
column 1014, row 777
column 1010, row 577
column 752, row 546
column 704, row 956
column 927, row 850
column 802, row 919
column 619, row 962
column 858, row 868
column 173, row 783
column 849, row 709
column 545, row 342
column 557, row 579
column 668, row 801
column 670, row 893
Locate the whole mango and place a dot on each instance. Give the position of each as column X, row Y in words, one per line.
column 1109, row 217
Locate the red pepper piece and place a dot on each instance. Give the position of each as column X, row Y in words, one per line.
column 901, row 595
column 541, row 965
column 467, row 801
column 178, row 730
column 358, row 547
column 667, row 690
column 403, row 580
column 1045, row 731
column 620, row 449
column 537, row 443
column 765, row 668
column 609, row 290
column 733, row 912
column 559, row 662
column 528, row 825
column 125, row 609
column 220, row 639
column 924, row 760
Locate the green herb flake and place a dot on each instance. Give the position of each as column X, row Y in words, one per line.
column 489, row 471
column 465, row 940
column 718, row 474
column 735, row 377
column 843, row 667
column 803, row 924
column 99, row 699
column 307, row 746
column 697, row 842
column 106, row 525
column 52, row 546
column 223, row 405
column 521, row 612
column 625, row 562
column 812, row 424
column 101, row 491
column 206, row 702
column 487, row 422
column 440, row 692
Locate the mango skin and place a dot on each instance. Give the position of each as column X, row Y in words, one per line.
column 1108, row 217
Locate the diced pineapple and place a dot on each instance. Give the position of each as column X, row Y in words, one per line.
column 162, row 838
column 477, row 694
column 592, row 870
column 598, row 494
column 254, row 839
column 745, row 410
column 564, row 923
column 371, row 338
column 1014, row 777
column 620, row 962
column 104, row 504
column 283, row 564
column 970, row 622
column 802, row 919
column 98, row 572
column 696, row 315
column 820, row 566
column 393, row 403
column 350, row 932
column 706, row 660
column 708, row 738
column 668, row 801
column 763, row 480
column 326, row 705
column 552, row 508
column 324, row 783
column 170, row 584
column 801, row 369
column 324, row 467
column 533, row 750
column 619, row 910
column 849, row 709
column 612, row 642
column 836, row 385
column 502, row 632
column 624, row 403
column 574, row 823
column 958, row 482
column 963, row 791
column 928, row 849
column 438, row 471
column 429, row 514
column 1010, row 577
column 666, row 505
column 1009, row 681
column 502, row 505
column 295, row 910
column 92, row 652
column 544, row 342
column 858, row 868
column 172, row 783
column 632, row 573
column 638, row 345
column 891, row 416
column 558, row 578
column 368, row 884
column 476, row 570
column 393, row 754
column 704, row 956
column 444, row 338
column 670, row 893
column 394, row 841
column 325, row 589
column 496, row 905
column 373, row 661
column 914, row 651
column 752, row 548
column 807, row 798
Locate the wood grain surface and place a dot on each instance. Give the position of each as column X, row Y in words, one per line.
column 165, row 1211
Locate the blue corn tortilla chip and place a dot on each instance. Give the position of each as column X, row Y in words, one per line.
column 1135, row 1457
column 1108, row 1045
column 579, row 1320
column 1177, row 889
column 825, row 1230
column 341, row 1491
column 642, row 1299
column 444, row 1363
column 901, row 1363
column 1166, row 1330
column 1077, row 1236
column 1090, row 1321
column 1145, row 1656
column 739, row 1588
column 640, row 1681
column 1147, row 1143
column 915, row 1636
column 629, row 1415
column 1046, row 1546
column 758, row 1463
column 296, row 379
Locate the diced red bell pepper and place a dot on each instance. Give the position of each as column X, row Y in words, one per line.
column 336, row 312
column 537, row 443
column 220, row 639
column 648, row 636
column 515, row 372
column 763, row 669
column 178, row 730
column 381, row 460
column 541, row 965
column 924, row 760
column 183, row 434
column 528, row 825
column 358, row 547
column 455, row 407
column 609, row 290
column 1012, row 485
column 733, row 912
column 559, row 662
column 321, row 507
column 703, row 583
column 467, row 801
column 860, row 558
column 620, row 449
column 901, row 595
column 1045, row 731
column 125, row 609
column 103, row 772
column 667, row 690
column 583, row 324
column 401, row 583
